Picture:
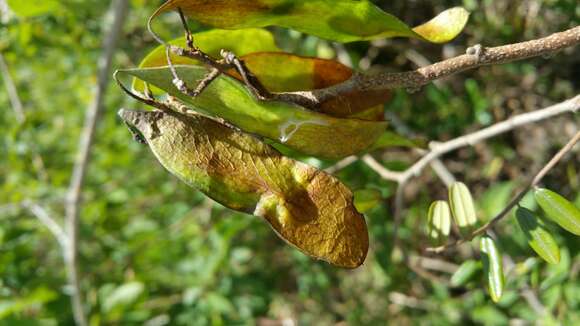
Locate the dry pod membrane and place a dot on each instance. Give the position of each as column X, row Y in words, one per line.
column 308, row 208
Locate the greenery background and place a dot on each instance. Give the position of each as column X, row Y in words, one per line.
column 155, row 251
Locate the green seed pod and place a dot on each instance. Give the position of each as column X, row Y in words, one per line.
column 492, row 267
column 465, row 272
column 306, row 207
column 462, row 207
column 439, row 222
column 538, row 237
column 559, row 210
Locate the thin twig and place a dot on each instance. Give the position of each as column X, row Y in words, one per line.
column 45, row 218
column 535, row 180
column 11, row 90
column 439, row 149
column 341, row 164
column 119, row 9
column 381, row 170
column 477, row 57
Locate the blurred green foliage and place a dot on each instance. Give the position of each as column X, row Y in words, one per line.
column 155, row 251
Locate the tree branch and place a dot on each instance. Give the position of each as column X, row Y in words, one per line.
column 119, row 10
column 535, row 180
column 11, row 90
column 439, row 149
column 44, row 217
column 476, row 57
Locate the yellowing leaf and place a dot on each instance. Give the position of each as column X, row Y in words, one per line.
column 559, row 209
column 303, row 130
column 308, row 208
column 538, row 237
column 284, row 72
column 338, row 20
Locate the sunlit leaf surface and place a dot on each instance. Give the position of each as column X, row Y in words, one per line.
column 308, row 208
column 539, row 238
column 338, row 20
column 559, row 209
column 306, row 131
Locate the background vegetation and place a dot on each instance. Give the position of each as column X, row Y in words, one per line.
column 154, row 251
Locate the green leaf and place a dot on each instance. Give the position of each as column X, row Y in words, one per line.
column 366, row 199
column 462, row 207
column 392, row 139
column 492, row 267
column 337, row 20
column 308, row 208
column 538, row 236
column 123, row 296
column 303, row 130
column 465, row 272
column 559, row 209
column 31, row 8
column 439, row 222
column 495, row 198
column 39, row 296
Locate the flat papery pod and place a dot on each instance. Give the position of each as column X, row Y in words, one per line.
column 337, row 20
column 308, row 208
column 300, row 129
column 240, row 42
column 284, row 72
column 279, row 71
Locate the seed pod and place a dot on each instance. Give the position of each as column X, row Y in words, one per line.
column 465, row 272
column 559, row 210
column 308, row 208
column 538, row 237
column 492, row 267
column 462, row 207
column 439, row 222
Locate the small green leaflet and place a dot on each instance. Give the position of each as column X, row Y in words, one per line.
column 559, row 209
column 492, row 267
column 538, row 237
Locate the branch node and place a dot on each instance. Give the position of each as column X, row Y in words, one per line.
column 477, row 51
